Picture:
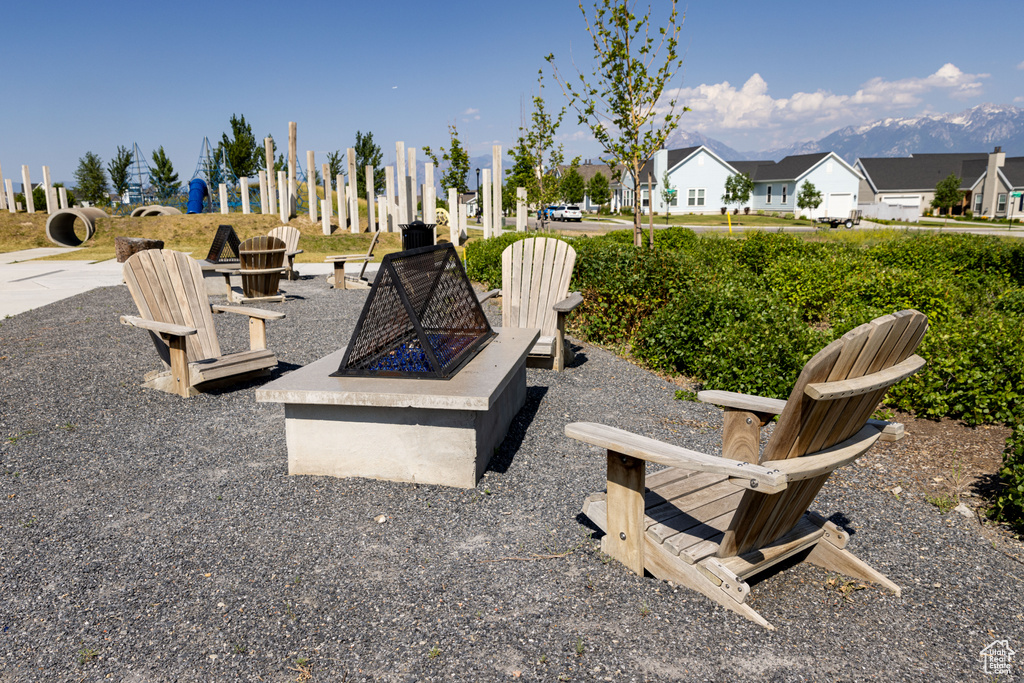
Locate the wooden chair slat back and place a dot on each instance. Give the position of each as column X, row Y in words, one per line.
column 369, row 254
column 262, row 251
column 807, row 425
column 288, row 235
column 535, row 275
column 167, row 286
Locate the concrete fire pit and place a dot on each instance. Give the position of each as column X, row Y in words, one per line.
column 429, row 431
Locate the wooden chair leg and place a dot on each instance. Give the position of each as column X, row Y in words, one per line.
column 339, row 275
column 257, row 334
column 179, row 365
column 842, row 561
column 625, row 538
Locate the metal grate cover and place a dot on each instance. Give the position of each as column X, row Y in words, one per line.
column 422, row 319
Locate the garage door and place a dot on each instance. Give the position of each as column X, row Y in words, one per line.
column 910, row 200
column 840, row 205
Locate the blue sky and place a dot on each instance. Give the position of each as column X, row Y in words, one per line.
column 91, row 76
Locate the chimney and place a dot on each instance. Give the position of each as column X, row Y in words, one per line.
column 997, row 150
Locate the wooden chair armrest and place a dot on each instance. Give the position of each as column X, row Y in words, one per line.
column 484, row 296
column 570, row 302
column 261, row 313
column 742, row 474
column 293, row 253
column 158, row 327
column 732, row 399
column 824, row 391
column 347, row 257
column 261, row 271
column 229, row 271
column 823, row 462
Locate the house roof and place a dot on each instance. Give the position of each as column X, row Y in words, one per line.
column 750, row 167
column 674, row 157
column 1013, row 171
column 922, row 172
column 790, row 168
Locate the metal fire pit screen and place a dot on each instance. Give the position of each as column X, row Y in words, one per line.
column 422, row 319
column 225, row 237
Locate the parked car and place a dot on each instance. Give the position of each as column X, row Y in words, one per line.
column 554, row 212
column 572, row 213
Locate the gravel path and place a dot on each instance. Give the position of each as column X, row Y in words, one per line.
column 149, row 538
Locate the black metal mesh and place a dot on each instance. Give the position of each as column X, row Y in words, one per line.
column 421, row 319
column 225, row 237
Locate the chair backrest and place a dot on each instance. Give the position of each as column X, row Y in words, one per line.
column 809, row 425
column 258, row 254
column 535, row 276
column 288, row 235
column 167, row 286
column 369, row 255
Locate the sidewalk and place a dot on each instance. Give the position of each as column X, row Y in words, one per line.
column 27, row 283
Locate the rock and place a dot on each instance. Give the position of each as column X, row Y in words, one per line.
column 380, row 519
column 965, row 511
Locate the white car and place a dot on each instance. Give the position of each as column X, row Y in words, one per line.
column 566, row 213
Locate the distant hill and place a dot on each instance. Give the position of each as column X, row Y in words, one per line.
column 975, row 130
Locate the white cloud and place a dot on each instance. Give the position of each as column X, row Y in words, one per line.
column 470, row 111
column 1021, row 66
column 722, row 107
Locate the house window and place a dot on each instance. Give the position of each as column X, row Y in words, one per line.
column 784, row 188
column 977, row 203
column 1001, row 203
column 695, row 196
column 644, row 198
column 769, row 199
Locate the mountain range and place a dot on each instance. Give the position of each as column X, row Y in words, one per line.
column 978, row 129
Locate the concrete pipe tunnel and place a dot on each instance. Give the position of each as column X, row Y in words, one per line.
column 60, row 226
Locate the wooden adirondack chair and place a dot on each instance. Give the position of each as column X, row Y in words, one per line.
column 290, row 237
column 341, row 281
column 708, row 522
column 534, row 292
column 261, row 265
column 168, row 289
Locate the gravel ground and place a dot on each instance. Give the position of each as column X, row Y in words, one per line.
column 149, row 538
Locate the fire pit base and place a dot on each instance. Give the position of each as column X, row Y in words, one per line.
column 411, row 430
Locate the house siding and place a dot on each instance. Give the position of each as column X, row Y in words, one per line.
column 701, row 170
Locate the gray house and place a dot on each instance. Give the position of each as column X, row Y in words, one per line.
column 988, row 181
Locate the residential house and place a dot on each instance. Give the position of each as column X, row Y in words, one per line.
column 988, row 181
column 696, row 174
column 587, row 171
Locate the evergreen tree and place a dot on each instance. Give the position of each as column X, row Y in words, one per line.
column 243, row 154
column 90, row 179
column 118, row 170
column 598, row 189
column 572, row 184
column 335, row 165
column 164, row 179
column 368, row 154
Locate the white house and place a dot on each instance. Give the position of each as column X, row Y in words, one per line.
column 777, row 184
column 696, row 174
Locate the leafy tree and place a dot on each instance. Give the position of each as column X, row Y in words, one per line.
column 164, row 179
column 335, row 165
column 242, row 152
column 90, row 179
column 456, row 160
column 667, row 191
column 738, row 188
column 598, row 189
column 118, row 170
column 368, row 154
column 572, row 185
column 947, row 194
column 536, row 144
column 809, row 197
column 621, row 101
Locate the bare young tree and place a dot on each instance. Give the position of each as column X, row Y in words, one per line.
column 622, row 100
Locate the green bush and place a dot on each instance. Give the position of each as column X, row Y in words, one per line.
column 483, row 257
column 1009, row 503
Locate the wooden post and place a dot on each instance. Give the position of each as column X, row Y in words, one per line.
column 282, row 191
column 453, row 216
column 382, row 213
column 63, row 197
column 224, row 198
column 650, row 206
column 353, row 195
column 292, row 161
column 429, row 207
column 9, row 186
column 413, row 187
column 325, row 174
column 389, row 197
column 325, row 208
column 339, row 182
column 263, row 192
column 486, row 205
column 371, row 201
column 403, row 188
column 47, row 188
column 463, row 223
column 26, row 186
column 497, row 216
column 243, row 188
column 3, row 194
column 311, row 186
column 268, row 148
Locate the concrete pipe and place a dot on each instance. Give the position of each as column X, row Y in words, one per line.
column 152, row 211
column 137, row 211
column 60, row 226
column 170, row 211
